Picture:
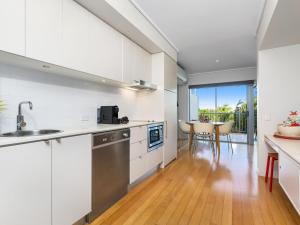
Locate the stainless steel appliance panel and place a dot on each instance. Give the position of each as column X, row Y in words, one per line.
column 110, row 172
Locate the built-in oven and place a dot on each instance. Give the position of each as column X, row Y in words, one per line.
column 155, row 136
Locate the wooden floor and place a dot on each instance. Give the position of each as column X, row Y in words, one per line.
column 200, row 189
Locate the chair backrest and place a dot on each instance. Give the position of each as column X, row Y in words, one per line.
column 200, row 128
column 226, row 128
column 184, row 127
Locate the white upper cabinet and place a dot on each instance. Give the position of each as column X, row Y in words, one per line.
column 71, row 179
column 90, row 45
column 170, row 74
column 12, row 26
column 43, row 30
column 25, row 189
column 137, row 63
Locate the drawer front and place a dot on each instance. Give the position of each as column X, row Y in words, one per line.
column 138, row 134
column 154, row 158
column 137, row 149
column 289, row 178
column 137, row 168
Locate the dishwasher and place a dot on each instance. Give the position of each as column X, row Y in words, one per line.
column 110, row 170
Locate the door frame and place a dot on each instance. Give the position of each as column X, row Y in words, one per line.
column 249, row 98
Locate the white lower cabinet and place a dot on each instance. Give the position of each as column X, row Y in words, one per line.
column 142, row 161
column 71, row 179
column 289, row 172
column 25, row 189
column 137, row 168
column 46, row 183
column 154, row 158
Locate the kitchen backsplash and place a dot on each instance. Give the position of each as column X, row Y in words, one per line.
column 58, row 102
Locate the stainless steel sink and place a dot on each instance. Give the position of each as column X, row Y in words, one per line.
column 25, row 133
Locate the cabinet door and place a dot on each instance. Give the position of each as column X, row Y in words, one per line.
column 71, row 179
column 137, row 168
column 90, row 45
column 44, row 30
column 170, row 74
column 137, row 63
column 138, row 134
column 12, row 26
column 170, row 143
column 138, row 148
column 289, row 178
column 25, row 190
column 154, row 158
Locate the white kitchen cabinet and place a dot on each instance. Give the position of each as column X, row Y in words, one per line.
column 170, row 109
column 90, row 45
column 170, row 143
column 44, row 30
column 71, row 179
column 138, row 152
column 25, row 189
column 12, row 26
column 170, row 81
column 138, row 134
column 154, row 158
column 138, row 148
column 137, row 168
column 137, row 63
column 289, row 172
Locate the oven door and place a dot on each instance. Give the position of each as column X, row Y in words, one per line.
column 155, row 137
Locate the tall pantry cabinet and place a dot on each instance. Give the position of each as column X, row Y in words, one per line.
column 165, row 100
column 170, row 109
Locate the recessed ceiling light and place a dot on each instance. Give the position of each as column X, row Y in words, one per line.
column 217, row 60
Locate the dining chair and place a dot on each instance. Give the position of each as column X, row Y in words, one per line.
column 184, row 128
column 205, row 131
column 225, row 130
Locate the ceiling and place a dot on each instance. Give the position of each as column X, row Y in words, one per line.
column 209, row 34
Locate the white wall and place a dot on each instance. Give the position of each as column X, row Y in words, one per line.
column 278, row 92
column 58, row 102
column 223, row 76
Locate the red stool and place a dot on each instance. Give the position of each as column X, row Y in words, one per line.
column 271, row 157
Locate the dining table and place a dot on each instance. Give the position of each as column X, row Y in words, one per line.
column 217, row 133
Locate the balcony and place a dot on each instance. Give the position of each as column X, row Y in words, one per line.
column 239, row 130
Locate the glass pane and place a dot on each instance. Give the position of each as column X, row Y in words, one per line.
column 232, row 106
column 204, row 106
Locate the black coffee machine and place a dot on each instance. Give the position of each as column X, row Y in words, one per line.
column 110, row 115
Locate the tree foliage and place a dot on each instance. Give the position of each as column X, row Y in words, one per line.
column 2, row 105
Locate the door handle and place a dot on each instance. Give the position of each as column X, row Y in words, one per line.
column 166, row 129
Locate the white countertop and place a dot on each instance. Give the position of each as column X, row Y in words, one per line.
column 6, row 141
column 290, row 147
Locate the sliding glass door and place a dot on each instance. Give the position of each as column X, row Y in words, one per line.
column 222, row 103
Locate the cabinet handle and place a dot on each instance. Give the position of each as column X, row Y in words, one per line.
column 47, row 142
column 58, row 140
column 140, row 157
column 166, row 129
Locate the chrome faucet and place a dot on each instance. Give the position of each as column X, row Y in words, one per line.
column 20, row 118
